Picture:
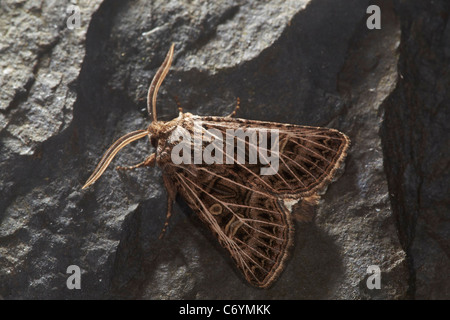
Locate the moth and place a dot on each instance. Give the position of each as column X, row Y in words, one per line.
column 245, row 210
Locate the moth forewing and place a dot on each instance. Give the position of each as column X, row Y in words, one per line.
column 243, row 207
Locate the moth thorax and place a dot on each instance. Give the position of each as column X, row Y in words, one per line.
column 215, row 209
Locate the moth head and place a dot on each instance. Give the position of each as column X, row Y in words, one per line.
column 162, row 129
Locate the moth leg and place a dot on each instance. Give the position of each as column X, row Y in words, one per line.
column 177, row 101
column 171, row 194
column 168, row 215
column 148, row 162
column 238, row 103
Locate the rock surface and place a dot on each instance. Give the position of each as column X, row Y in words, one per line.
column 68, row 94
column 416, row 143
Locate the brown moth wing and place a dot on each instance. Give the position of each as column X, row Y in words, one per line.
column 243, row 208
column 253, row 226
column 309, row 156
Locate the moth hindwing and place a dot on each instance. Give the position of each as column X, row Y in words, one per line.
column 237, row 175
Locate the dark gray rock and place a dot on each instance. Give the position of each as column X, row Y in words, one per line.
column 416, row 145
column 68, row 94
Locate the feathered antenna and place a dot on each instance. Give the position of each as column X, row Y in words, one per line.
column 156, row 83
